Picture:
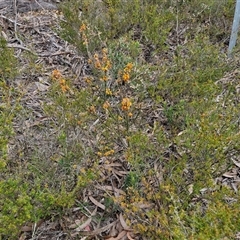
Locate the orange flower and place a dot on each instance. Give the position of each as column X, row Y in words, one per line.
column 62, row 81
column 65, row 88
column 99, row 154
column 126, row 72
column 63, row 85
column 97, row 64
column 92, row 109
column 107, row 66
column 126, row 104
column 85, row 40
column 83, row 27
column 126, row 77
column 56, row 74
column 88, row 80
column 104, row 78
column 129, row 67
column 104, row 50
column 108, row 153
column 106, row 105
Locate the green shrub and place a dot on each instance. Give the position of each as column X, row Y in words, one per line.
column 8, row 62
column 8, row 65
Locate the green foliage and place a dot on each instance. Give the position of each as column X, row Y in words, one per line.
column 7, row 71
column 16, row 207
column 112, row 19
column 7, row 61
column 23, row 202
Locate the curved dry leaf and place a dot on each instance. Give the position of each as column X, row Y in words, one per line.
column 31, row 226
column 98, row 204
column 41, row 87
column 145, row 205
column 123, row 223
column 84, row 225
column 76, row 223
column 113, row 232
column 113, row 165
column 99, row 230
column 22, row 237
column 120, row 173
column 129, row 236
column 229, row 175
column 236, row 163
column 119, row 237
column 94, row 212
column 111, row 188
column 234, row 186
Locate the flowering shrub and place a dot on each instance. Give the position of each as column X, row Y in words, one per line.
column 171, row 153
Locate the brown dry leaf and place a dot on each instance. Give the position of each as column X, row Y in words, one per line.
column 120, row 236
column 113, row 165
column 236, row 163
column 26, row 229
column 129, row 236
column 22, row 237
column 123, row 223
column 145, row 205
column 229, row 175
column 76, row 224
column 39, row 121
column 31, row 226
column 84, row 225
column 78, row 227
column 98, row 204
column 41, row 87
column 99, row 230
column 159, row 172
column 120, row 173
column 234, row 186
column 113, row 232
column 119, row 227
column 111, row 188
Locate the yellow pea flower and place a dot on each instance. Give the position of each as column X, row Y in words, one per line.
column 130, row 114
column 104, row 78
column 126, row 104
column 129, row 67
column 83, row 27
column 92, row 109
column 56, row 74
column 108, row 91
column 106, row 105
column 126, row 77
column 65, row 88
